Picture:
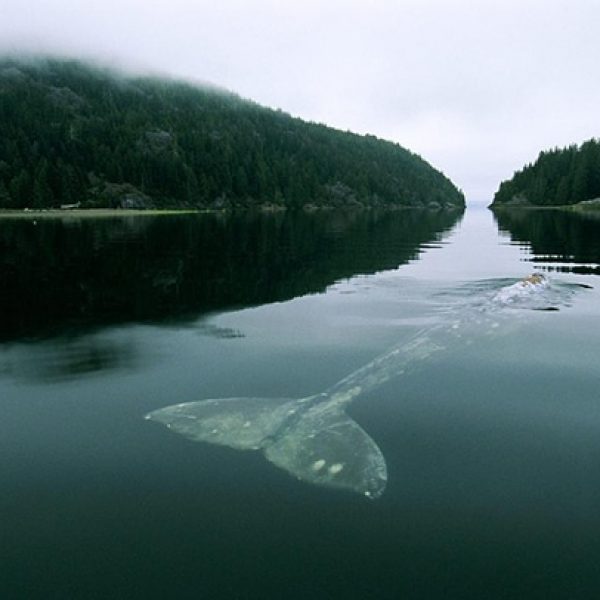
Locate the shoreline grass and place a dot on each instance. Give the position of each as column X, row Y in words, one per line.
column 579, row 207
column 93, row 212
column 77, row 213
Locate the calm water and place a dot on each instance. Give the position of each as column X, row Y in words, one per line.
column 492, row 450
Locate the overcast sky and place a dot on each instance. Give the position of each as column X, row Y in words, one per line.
column 476, row 87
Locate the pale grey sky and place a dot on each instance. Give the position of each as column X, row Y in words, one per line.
column 476, row 87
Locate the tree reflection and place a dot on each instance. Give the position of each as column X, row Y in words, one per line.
column 66, row 275
column 568, row 240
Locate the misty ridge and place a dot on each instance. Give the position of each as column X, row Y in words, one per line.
column 79, row 135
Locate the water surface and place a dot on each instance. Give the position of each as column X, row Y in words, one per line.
column 492, row 451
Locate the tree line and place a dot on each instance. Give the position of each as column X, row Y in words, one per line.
column 558, row 177
column 77, row 134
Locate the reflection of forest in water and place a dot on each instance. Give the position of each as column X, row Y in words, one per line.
column 569, row 239
column 60, row 275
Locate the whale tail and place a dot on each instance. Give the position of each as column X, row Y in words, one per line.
column 316, row 442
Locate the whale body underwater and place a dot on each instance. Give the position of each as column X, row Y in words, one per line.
column 313, row 438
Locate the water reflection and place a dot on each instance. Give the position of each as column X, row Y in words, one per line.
column 73, row 275
column 69, row 358
column 560, row 240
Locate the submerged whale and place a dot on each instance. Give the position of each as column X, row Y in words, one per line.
column 313, row 438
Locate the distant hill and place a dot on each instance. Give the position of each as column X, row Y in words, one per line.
column 73, row 133
column 558, row 177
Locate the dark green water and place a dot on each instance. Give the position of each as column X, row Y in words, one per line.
column 493, row 451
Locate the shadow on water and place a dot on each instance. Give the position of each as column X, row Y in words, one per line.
column 563, row 241
column 68, row 276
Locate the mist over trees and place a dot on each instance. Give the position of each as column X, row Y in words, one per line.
column 77, row 134
column 558, row 177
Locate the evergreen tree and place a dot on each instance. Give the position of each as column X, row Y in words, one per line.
column 42, row 193
column 20, row 189
column 5, row 199
column 562, row 192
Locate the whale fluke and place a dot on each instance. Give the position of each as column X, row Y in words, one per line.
column 313, row 441
column 326, row 447
column 240, row 423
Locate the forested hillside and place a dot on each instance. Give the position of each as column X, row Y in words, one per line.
column 76, row 134
column 558, row 177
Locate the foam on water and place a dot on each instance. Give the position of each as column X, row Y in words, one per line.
column 523, row 289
